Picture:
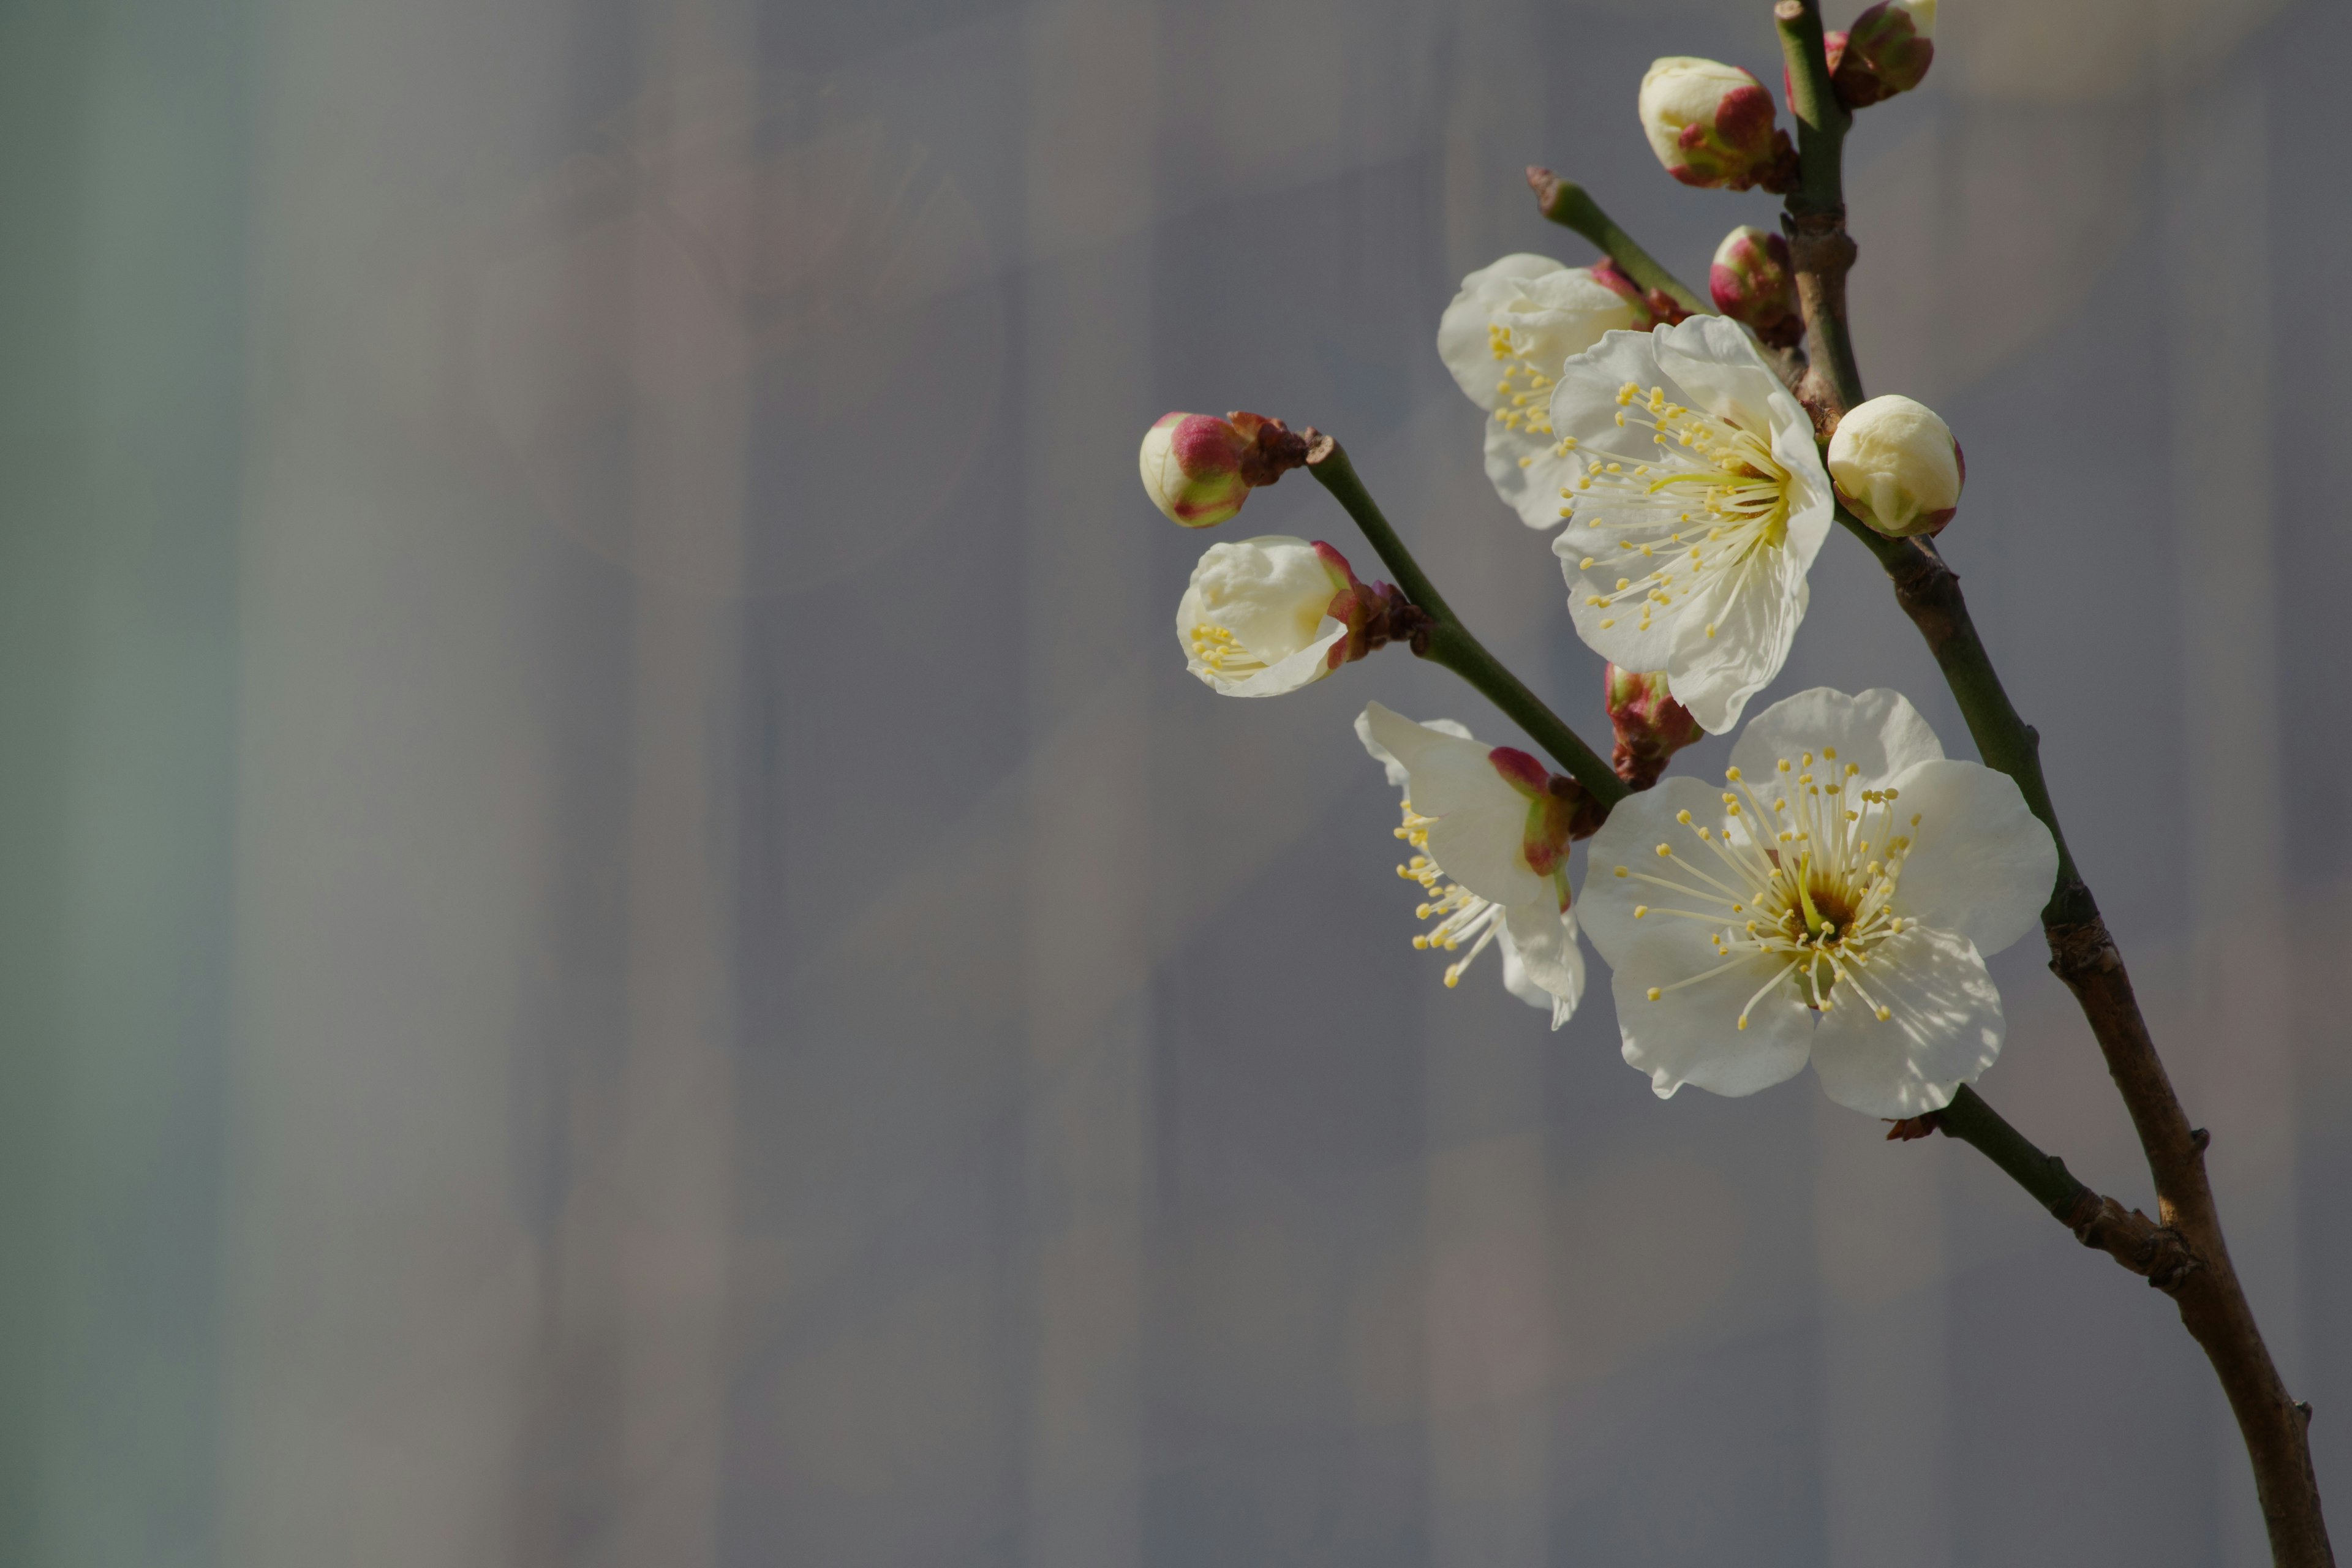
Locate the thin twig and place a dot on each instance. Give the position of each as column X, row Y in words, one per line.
column 1447, row 641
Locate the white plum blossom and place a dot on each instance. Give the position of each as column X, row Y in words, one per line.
column 1834, row 900
column 1697, row 504
column 1488, row 827
column 1255, row 620
column 1505, row 337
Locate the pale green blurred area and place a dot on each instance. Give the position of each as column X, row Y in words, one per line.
column 625, row 944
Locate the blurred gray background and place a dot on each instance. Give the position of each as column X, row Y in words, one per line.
column 626, row 943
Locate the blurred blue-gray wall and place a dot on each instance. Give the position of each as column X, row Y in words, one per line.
column 621, row 940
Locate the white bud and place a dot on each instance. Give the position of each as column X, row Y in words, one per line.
column 1712, row 124
column 1256, row 620
column 1896, row 466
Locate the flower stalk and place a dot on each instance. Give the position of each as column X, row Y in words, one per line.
column 1568, row 204
column 1446, row 641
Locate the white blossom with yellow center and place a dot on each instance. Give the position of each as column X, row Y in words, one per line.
column 1462, row 802
column 1832, row 902
column 1505, row 337
column 1697, row 503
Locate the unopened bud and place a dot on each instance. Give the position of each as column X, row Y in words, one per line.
column 1752, row 283
column 1712, row 124
column 1887, row 51
column 1896, row 466
column 1651, row 725
column 1199, row 469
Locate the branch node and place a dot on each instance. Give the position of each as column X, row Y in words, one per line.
column 2078, row 951
column 2200, row 1139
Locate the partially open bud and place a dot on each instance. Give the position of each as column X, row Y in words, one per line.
column 1263, row 617
column 1887, row 51
column 1651, row 725
column 1711, row 125
column 1752, row 283
column 1896, row 466
column 1199, row 469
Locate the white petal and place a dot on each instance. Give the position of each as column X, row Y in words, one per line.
column 1382, row 755
column 1308, row 666
column 1755, row 611
column 1636, row 827
column 1981, row 866
column 1584, row 405
column 1480, row 827
column 1944, row 1027
column 1878, row 730
column 1539, row 942
column 1462, row 336
column 1693, row 1035
column 1718, row 366
column 1528, row 472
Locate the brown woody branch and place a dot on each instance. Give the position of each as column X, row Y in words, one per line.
column 2185, row 1255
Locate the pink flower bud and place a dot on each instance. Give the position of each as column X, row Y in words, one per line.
column 1199, row 469
column 1887, row 51
column 1651, row 725
column 1896, row 466
column 1712, row 124
column 1752, row 283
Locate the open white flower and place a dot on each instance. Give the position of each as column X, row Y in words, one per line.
column 1834, row 900
column 1489, row 830
column 1505, row 337
column 1698, row 505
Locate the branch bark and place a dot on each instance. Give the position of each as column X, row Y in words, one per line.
column 2186, row 1254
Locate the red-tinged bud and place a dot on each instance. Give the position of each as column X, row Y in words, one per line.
column 1712, row 125
column 1199, row 470
column 1752, row 283
column 1887, row 51
column 1375, row 614
column 1651, row 725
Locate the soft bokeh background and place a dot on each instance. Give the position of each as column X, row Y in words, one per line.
column 625, row 942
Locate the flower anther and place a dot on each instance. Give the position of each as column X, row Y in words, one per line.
column 1489, row 830
column 1697, row 504
column 1832, row 903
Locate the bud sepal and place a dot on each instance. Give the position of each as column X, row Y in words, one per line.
column 1651, row 725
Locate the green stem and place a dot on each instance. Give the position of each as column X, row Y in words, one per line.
column 1570, row 204
column 1449, row 643
column 1819, row 247
column 1972, row 1122
column 1821, row 119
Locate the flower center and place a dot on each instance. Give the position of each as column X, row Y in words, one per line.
column 1461, row 915
column 1703, row 511
column 1804, row 881
column 1525, row 391
column 1217, row 648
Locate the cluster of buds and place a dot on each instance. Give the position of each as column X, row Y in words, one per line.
column 1754, row 284
column 1712, row 125
column 1199, row 470
column 1896, row 466
column 1887, row 51
column 1651, row 725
